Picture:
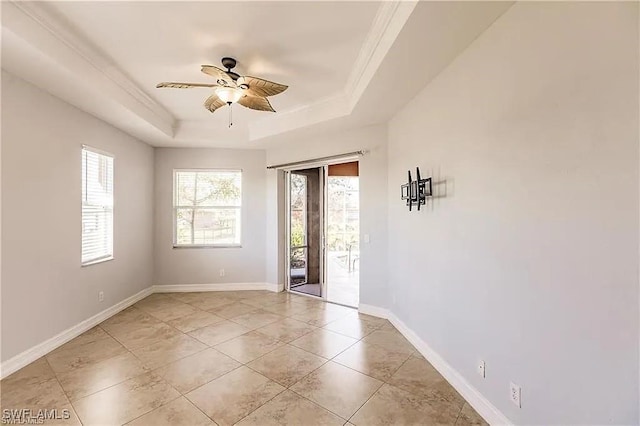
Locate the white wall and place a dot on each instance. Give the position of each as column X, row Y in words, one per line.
column 373, row 202
column 530, row 259
column 246, row 264
column 44, row 288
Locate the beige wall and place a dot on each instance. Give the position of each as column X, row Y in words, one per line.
column 44, row 288
column 244, row 264
column 529, row 260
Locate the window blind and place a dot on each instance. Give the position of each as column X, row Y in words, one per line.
column 97, row 206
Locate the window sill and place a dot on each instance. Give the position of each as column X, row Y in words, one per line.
column 208, row 246
column 95, row 262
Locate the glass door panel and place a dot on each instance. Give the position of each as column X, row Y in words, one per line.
column 305, row 231
column 343, row 240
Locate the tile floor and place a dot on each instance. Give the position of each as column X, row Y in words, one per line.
column 247, row 358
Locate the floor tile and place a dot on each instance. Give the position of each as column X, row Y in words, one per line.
column 372, row 360
column 61, row 416
column 308, row 302
column 275, row 334
column 337, row 388
column 391, row 405
column 249, row 346
column 233, row 310
column 249, row 294
column 266, row 300
column 470, row 417
column 134, row 337
column 288, row 408
column 231, row 397
column 69, row 357
column 389, row 339
column 124, row 402
column 168, row 350
column 179, row 412
column 84, row 381
column 211, row 301
column 188, row 297
column 219, row 332
column 287, row 364
column 386, row 325
column 195, row 370
column 155, row 302
column 44, row 395
column 34, row 373
column 319, row 317
column 419, row 377
column 337, row 309
column 287, row 329
column 324, row 343
column 129, row 319
column 195, row 320
column 176, row 310
column 286, row 308
column 352, row 326
column 92, row 335
column 377, row 321
column 257, row 319
column 236, row 295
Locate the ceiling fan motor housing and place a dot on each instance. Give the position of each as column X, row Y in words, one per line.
column 229, row 64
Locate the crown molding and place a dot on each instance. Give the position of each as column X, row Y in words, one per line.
column 389, row 21
column 387, row 24
column 35, row 24
column 40, row 27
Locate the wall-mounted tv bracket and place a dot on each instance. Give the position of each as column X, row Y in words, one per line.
column 416, row 191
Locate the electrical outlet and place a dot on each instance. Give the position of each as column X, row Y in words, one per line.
column 481, row 369
column 222, row 272
column 515, row 394
column 101, row 296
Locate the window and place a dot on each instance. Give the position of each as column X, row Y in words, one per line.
column 207, row 207
column 97, row 206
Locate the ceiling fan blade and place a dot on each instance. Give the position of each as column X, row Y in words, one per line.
column 213, row 102
column 261, row 87
column 256, row 102
column 175, row 85
column 220, row 75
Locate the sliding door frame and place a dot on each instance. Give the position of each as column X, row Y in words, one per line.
column 322, row 173
column 323, row 164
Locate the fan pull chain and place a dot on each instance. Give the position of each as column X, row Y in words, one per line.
column 230, row 115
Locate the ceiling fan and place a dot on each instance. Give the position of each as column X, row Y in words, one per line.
column 230, row 87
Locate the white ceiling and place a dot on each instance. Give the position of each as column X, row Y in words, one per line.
column 309, row 46
column 342, row 60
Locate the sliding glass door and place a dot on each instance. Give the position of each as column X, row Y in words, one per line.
column 305, row 231
column 343, row 235
column 323, row 232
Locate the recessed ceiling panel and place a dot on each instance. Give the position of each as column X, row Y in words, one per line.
column 310, row 46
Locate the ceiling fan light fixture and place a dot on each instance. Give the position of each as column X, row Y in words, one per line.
column 229, row 94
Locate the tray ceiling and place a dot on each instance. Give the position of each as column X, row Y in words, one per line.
column 346, row 63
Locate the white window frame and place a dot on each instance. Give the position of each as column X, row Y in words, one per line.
column 109, row 256
column 175, row 208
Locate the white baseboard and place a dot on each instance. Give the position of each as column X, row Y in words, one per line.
column 487, row 410
column 180, row 288
column 374, row 311
column 23, row 359
column 276, row 288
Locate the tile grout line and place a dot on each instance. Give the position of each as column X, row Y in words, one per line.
column 384, row 382
column 281, row 318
